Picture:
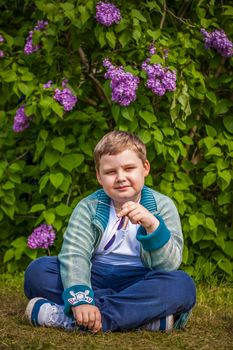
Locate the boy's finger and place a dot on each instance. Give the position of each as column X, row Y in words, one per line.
column 126, row 210
column 79, row 317
column 91, row 320
column 97, row 326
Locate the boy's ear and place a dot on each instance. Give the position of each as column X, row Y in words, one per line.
column 98, row 177
column 146, row 167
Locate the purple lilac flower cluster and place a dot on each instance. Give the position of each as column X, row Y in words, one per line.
column 21, row 121
column 65, row 98
column 48, row 84
column 219, row 41
column 2, row 53
column 160, row 79
column 42, row 237
column 123, row 84
column 29, row 47
column 107, row 14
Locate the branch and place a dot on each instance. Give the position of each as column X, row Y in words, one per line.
column 100, row 89
column 164, row 14
column 185, row 21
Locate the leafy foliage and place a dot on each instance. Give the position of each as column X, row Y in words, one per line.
column 48, row 168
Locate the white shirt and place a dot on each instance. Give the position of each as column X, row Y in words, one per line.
column 125, row 249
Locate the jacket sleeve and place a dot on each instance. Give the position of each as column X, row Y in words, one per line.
column 75, row 258
column 162, row 249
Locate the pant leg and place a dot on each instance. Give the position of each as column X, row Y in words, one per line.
column 42, row 279
column 157, row 295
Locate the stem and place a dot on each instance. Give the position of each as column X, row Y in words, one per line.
column 164, row 14
column 48, row 252
column 220, row 67
column 69, row 195
column 19, row 157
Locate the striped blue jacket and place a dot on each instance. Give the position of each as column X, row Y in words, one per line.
column 161, row 249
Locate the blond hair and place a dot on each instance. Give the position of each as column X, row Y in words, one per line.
column 115, row 142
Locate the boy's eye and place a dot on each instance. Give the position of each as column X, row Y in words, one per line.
column 130, row 168
column 110, row 172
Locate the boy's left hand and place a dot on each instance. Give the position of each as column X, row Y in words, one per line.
column 137, row 214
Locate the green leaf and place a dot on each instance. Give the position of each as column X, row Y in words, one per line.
column 8, row 185
column 49, row 217
column 211, row 131
column 67, row 162
column 115, row 111
column 155, row 59
column 8, row 210
column 78, row 159
column 124, row 38
column 215, row 151
column 9, row 255
column 137, row 14
column 19, row 242
column 43, row 182
column 225, row 175
column 158, row 136
column 58, row 109
column 37, row 207
column 111, row 39
column 9, row 76
column 187, row 140
column 56, row 179
column 228, row 249
column 211, row 96
column 126, row 113
column 226, row 266
column 31, row 253
column 209, row 223
column 51, row 157
column 149, row 117
column 59, row 144
column 154, row 34
column 24, row 88
column 228, row 123
column 63, row 210
column 209, row 179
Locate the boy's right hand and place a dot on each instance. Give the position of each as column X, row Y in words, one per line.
column 88, row 316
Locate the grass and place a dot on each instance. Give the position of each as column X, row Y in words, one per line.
column 210, row 327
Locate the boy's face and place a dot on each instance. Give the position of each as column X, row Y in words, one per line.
column 122, row 176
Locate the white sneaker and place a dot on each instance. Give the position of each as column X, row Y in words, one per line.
column 164, row 324
column 43, row 312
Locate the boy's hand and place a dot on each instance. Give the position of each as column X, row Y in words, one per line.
column 88, row 316
column 137, row 214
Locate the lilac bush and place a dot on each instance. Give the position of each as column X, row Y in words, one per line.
column 21, row 121
column 2, row 53
column 1, row 39
column 29, row 47
column 219, row 41
column 123, row 84
column 42, row 237
column 107, row 14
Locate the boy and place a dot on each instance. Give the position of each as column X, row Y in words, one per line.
column 117, row 269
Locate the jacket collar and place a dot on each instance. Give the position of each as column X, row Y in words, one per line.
column 103, row 206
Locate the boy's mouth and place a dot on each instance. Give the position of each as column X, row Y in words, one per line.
column 122, row 187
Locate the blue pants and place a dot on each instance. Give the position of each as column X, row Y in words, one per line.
column 126, row 296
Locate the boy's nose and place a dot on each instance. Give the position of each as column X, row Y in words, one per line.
column 120, row 176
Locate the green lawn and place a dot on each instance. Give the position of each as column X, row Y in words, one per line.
column 210, row 327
